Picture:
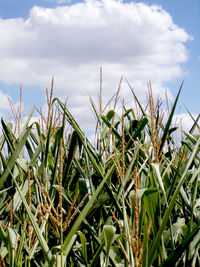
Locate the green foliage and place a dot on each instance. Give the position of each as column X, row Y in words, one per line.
column 132, row 199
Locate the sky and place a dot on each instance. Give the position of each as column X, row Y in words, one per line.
column 157, row 41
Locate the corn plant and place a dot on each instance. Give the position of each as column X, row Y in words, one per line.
column 131, row 199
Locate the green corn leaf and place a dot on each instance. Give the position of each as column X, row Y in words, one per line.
column 17, row 198
column 19, row 256
column 13, row 157
column 25, row 126
column 3, row 236
column 171, row 204
column 83, row 245
column 43, row 244
column 12, row 239
column 174, row 256
column 86, row 209
column 96, row 257
column 109, row 233
column 159, row 179
column 114, row 131
column 138, row 102
column 71, row 153
column 69, row 245
column 9, row 137
column 167, row 126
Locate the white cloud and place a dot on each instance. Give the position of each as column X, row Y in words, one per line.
column 71, row 42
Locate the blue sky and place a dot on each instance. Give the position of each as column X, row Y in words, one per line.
column 19, row 66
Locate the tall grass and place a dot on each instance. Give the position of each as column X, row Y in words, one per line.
column 130, row 200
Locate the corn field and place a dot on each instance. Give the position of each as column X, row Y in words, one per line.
column 131, row 199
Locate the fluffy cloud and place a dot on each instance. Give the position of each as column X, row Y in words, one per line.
column 71, row 42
